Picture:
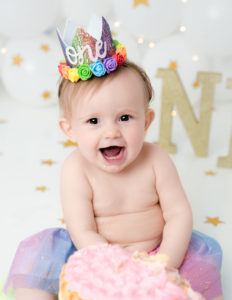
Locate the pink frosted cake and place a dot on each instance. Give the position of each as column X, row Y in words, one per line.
column 107, row 272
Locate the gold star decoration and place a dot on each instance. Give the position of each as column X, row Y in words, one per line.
column 45, row 47
column 142, row 2
column 213, row 221
column 17, row 60
column 62, row 221
column 196, row 84
column 41, row 188
column 69, row 143
column 47, row 162
column 173, row 65
column 210, row 173
column 3, row 121
column 46, row 95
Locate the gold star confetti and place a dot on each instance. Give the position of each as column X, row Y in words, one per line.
column 45, row 47
column 47, row 162
column 17, row 60
column 173, row 65
column 3, row 121
column 113, row 33
column 41, row 188
column 210, row 173
column 69, row 143
column 143, row 2
column 62, row 221
column 196, row 84
column 213, row 221
column 46, row 95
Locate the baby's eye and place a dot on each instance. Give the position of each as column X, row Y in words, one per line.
column 125, row 118
column 93, row 121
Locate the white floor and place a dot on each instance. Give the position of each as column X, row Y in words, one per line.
column 30, row 135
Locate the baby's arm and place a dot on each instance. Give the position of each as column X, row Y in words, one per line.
column 76, row 198
column 176, row 209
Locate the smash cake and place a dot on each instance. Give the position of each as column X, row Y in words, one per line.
column 103, row 271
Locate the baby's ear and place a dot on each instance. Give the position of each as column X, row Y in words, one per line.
column 150, row 115
column 66, row 127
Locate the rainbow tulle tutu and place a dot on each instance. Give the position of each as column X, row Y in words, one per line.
column 39, row 259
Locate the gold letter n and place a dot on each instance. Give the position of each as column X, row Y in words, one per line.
column 173, row 94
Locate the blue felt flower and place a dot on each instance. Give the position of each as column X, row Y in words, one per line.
column 98, row 68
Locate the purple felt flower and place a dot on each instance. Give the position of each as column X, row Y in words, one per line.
column 110, row 64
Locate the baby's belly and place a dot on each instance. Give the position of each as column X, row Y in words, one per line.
column 140, row 231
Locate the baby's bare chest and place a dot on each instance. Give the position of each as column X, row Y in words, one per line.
column 121, row 195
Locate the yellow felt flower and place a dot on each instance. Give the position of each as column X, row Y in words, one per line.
column 119, row 45
column 73, row 75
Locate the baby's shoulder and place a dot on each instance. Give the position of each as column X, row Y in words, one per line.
column 161, row 162
column 157, row 157
column 155, row 152
column 73, row 162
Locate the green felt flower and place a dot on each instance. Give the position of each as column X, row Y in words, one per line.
column 116, row 43
column 85, row 72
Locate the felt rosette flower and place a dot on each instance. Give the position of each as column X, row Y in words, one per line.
column 119, row 58
column 98, row 68
column 64, row 70
column 84, row 72
column 120, row 48
column 73, row 75
column 116, row 43
column 110, row 64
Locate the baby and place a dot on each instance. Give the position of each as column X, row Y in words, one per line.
column 116, row 188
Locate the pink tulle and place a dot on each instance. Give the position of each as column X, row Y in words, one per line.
column 39, row 259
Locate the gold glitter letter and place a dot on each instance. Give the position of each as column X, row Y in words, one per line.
column 173, row 93
column 226, row 162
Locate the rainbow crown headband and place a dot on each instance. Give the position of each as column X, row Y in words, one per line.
column 89, row 53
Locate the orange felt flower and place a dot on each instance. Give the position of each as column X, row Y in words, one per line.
column 122, row 51
column 65, row 71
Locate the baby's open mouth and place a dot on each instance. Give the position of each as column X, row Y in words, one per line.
column 112, row 152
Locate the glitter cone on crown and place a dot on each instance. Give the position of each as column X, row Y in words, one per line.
column 89, row 53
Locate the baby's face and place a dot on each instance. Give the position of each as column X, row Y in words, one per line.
column 109, row 125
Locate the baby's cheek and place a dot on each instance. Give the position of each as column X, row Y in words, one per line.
column 86, row 140
column 135, row 141
column 137, row 135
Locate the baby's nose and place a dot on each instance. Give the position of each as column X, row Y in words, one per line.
column 112, row 132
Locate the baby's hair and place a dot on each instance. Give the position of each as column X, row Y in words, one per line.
column 68, row 89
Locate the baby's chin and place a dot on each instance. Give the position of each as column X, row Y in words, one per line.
column 112, row 169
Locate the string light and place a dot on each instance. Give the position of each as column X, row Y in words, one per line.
column 151, row 45
column 117, row 23
column 182, row 28
column 3, row 50
column 195, row 58
column 173, row 113
column 140, row 40
column 184, row 1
